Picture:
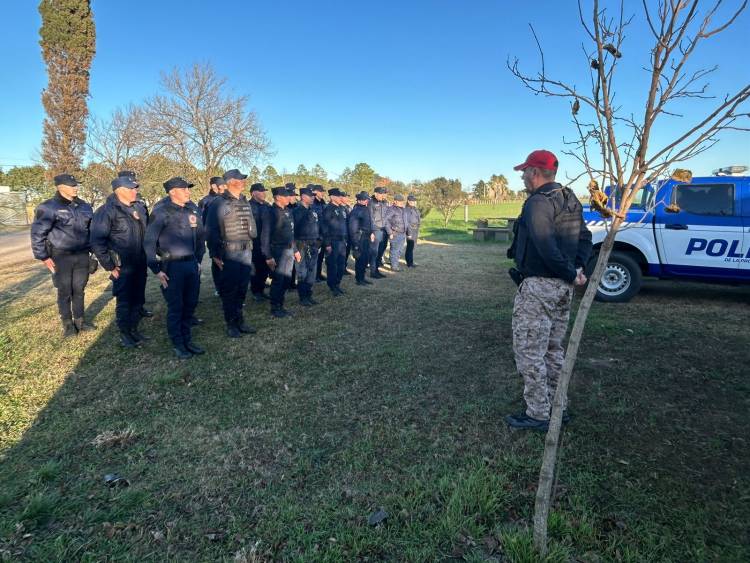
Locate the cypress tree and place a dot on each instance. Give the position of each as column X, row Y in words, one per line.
column 68, row 41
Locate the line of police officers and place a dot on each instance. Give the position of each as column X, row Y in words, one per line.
column 247, row 241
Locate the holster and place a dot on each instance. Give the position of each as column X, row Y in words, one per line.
column 516, row 275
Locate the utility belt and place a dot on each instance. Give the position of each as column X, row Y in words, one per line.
column 516, row 275
column 237, row 245
column 187, row 258
column 52, row 251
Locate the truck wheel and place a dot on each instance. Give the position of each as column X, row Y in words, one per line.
column 621, row 279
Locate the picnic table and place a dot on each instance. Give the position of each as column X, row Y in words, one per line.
column 484, row 231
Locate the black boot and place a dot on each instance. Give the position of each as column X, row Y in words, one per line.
column 145, row 313
column 182, row 352
column 233, row 330
column 194, row 349
column 69, row 329
column 245, row 328
column 137, row 335
column 127, row 340
column 82, row 326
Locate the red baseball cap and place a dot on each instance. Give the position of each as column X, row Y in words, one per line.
column 539, row 159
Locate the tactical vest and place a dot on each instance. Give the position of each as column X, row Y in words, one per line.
column 237, row 218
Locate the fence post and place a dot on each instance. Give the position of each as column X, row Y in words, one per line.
column 466, row 212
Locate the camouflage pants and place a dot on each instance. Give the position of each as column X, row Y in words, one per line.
column 540, row 320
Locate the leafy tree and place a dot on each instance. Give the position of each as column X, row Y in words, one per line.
column 345, row 179
column 319, row 175
column 445, row 196
column 302, row 176
column 68, row 42
column 419, row 189
column 254, row 175
column 28, row 179
column 363, row 177
column 270, row 177
column 498, row 187
column 480, row 190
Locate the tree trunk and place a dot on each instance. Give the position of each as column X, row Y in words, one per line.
column 552, row 441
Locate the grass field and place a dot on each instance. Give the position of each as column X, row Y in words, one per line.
column 280, row 446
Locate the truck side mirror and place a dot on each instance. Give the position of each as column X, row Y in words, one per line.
column 672, row 208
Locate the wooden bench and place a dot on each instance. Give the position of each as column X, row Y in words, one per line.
column 491, row 233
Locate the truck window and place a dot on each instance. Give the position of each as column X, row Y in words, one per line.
column 705, row 199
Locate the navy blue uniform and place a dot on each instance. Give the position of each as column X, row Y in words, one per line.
column 360, row 230
column 334, row 234
column 117, row 235
column 277, row 242
column 307, row 239
column 230, row 229
column 319, row 205
column 175, row 244
column 397, row 228
column 60, row 231
column 378, row 212
column 413, row 220
column 261, row 273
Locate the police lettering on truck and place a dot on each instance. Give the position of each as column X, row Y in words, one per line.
column 698, row 230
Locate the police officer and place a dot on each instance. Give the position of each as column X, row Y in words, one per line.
column 217, row 185
column 60, row 239
column 346, row 204
column 230, row 230
column 361, row 236
column 550, row 250
column 396, row 226
column 117, row 233
column 261, row 209
column 175, row 244
column 319, row 204
column 378, row 211
column 335, row 234
column 413, row 220
column 277, row 244
column 307, row 241
column 130, row 174
column 291, row 189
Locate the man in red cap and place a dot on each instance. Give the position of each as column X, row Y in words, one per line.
column 551, row 247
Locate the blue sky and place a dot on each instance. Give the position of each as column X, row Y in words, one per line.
column 417, row 89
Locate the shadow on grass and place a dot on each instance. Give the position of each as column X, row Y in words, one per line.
column 294, row 436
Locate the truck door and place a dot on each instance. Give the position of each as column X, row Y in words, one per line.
column 744, row 187
column 705, row 238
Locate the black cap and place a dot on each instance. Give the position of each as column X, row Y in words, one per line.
column 318, row 188
column 124, row 182
column 217, row 181
column 290, row 186
column 342, row 193
column 398, row 197
column 279, row 190
column 257, row 187
column 234, row 174
column 176, row 182
column 381, row 190
column 66, row 180
column 126, row 173
column 307, row 191
column 412, row 197
column 334, row 192
column 362, row 196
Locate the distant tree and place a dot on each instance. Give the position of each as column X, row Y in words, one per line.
column 345, row 180
column 419, row 189
column 445, row 196
column 363, row 177
column 498, row 187
column 31, row 180
column 199, row 122
column 68, row 41
column 480, row 190
column 319, row 175
column 269, row 177
column 302, row 176
column 254, row 175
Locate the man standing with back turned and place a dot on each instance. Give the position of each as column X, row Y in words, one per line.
column 550, row 248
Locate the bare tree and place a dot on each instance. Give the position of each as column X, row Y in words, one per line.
column 198, row 122
column 613, row 143
column 118, row 142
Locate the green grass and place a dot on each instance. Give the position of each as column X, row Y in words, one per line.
column 457, row 231
column 280, row 446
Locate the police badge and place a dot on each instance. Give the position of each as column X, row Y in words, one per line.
column 193, row 220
